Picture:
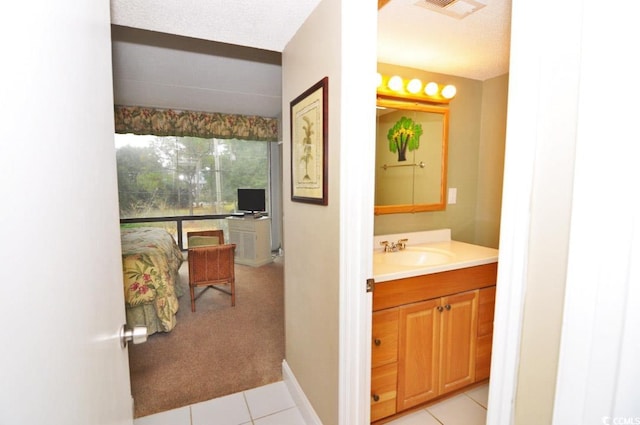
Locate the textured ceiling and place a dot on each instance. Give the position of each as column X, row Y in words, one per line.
column 224, row 56
column 267, row 25
column 475, row 47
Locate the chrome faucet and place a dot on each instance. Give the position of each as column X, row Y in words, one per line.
column 394, row 246
column 388, row 247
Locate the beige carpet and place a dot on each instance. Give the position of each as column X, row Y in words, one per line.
column 216, row 351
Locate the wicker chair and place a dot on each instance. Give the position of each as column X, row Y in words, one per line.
column 211, row 266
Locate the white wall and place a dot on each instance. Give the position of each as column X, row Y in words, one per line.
column 598, row 368
column 325, row 261
column 567, row 278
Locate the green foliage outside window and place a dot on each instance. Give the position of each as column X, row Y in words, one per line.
column 187, row 175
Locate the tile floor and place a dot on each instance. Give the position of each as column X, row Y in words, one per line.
column 272, row 405
column 468, row 408
column 268, row 405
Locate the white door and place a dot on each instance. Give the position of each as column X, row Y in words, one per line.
column 60, row 268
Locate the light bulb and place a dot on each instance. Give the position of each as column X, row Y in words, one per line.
column 395, row 83
column 414, row 86
column 449, row 91
column 378, row 79
column 431, row 89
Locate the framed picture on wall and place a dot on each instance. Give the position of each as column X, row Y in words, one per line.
column 309, row 145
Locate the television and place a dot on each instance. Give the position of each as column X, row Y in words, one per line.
column 251, row 200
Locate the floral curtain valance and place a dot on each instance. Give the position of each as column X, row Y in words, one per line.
column 168, row 122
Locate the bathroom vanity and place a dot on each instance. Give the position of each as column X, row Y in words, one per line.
column 433, row 306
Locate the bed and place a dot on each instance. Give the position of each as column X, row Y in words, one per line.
column 150, row 262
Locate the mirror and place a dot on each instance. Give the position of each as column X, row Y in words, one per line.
column 411, row 156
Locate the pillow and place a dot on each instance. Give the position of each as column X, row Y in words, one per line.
column 195, row 241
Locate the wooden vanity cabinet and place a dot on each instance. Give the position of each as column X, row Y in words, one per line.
column 443, row 324
column 437, row 341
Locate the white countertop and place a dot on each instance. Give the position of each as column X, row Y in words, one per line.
column 461, row 255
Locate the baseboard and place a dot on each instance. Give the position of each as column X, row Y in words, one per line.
column 302, row 402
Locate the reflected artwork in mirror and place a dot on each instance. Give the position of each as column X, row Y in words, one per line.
column 411, row 156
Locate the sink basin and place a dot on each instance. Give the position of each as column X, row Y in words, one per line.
column 413, row 257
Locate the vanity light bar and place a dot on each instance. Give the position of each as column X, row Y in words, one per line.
column 396, row 86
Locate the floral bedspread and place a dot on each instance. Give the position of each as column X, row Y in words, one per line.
column 150, row 262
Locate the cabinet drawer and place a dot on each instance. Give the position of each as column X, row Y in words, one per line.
column 383, row 391
column 384, row 338
column 486, row 307
column 483, row 357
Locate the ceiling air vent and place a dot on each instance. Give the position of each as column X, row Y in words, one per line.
column 440, row 3
column 455, row 8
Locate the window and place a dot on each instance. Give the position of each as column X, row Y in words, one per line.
column 178, row 176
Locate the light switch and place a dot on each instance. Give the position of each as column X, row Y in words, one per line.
column 453, row 194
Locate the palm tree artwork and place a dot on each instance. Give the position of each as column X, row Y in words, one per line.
column 404, row 135
column 307, row 147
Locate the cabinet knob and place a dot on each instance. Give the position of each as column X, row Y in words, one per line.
column 440, row 308
column 377, row 342
column 375, row 397
column 448, row 306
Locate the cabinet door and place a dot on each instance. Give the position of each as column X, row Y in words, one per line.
column 458, row 333
column 418, row 347
column 253, row 240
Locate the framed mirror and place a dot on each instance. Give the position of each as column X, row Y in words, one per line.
column 411, row 156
